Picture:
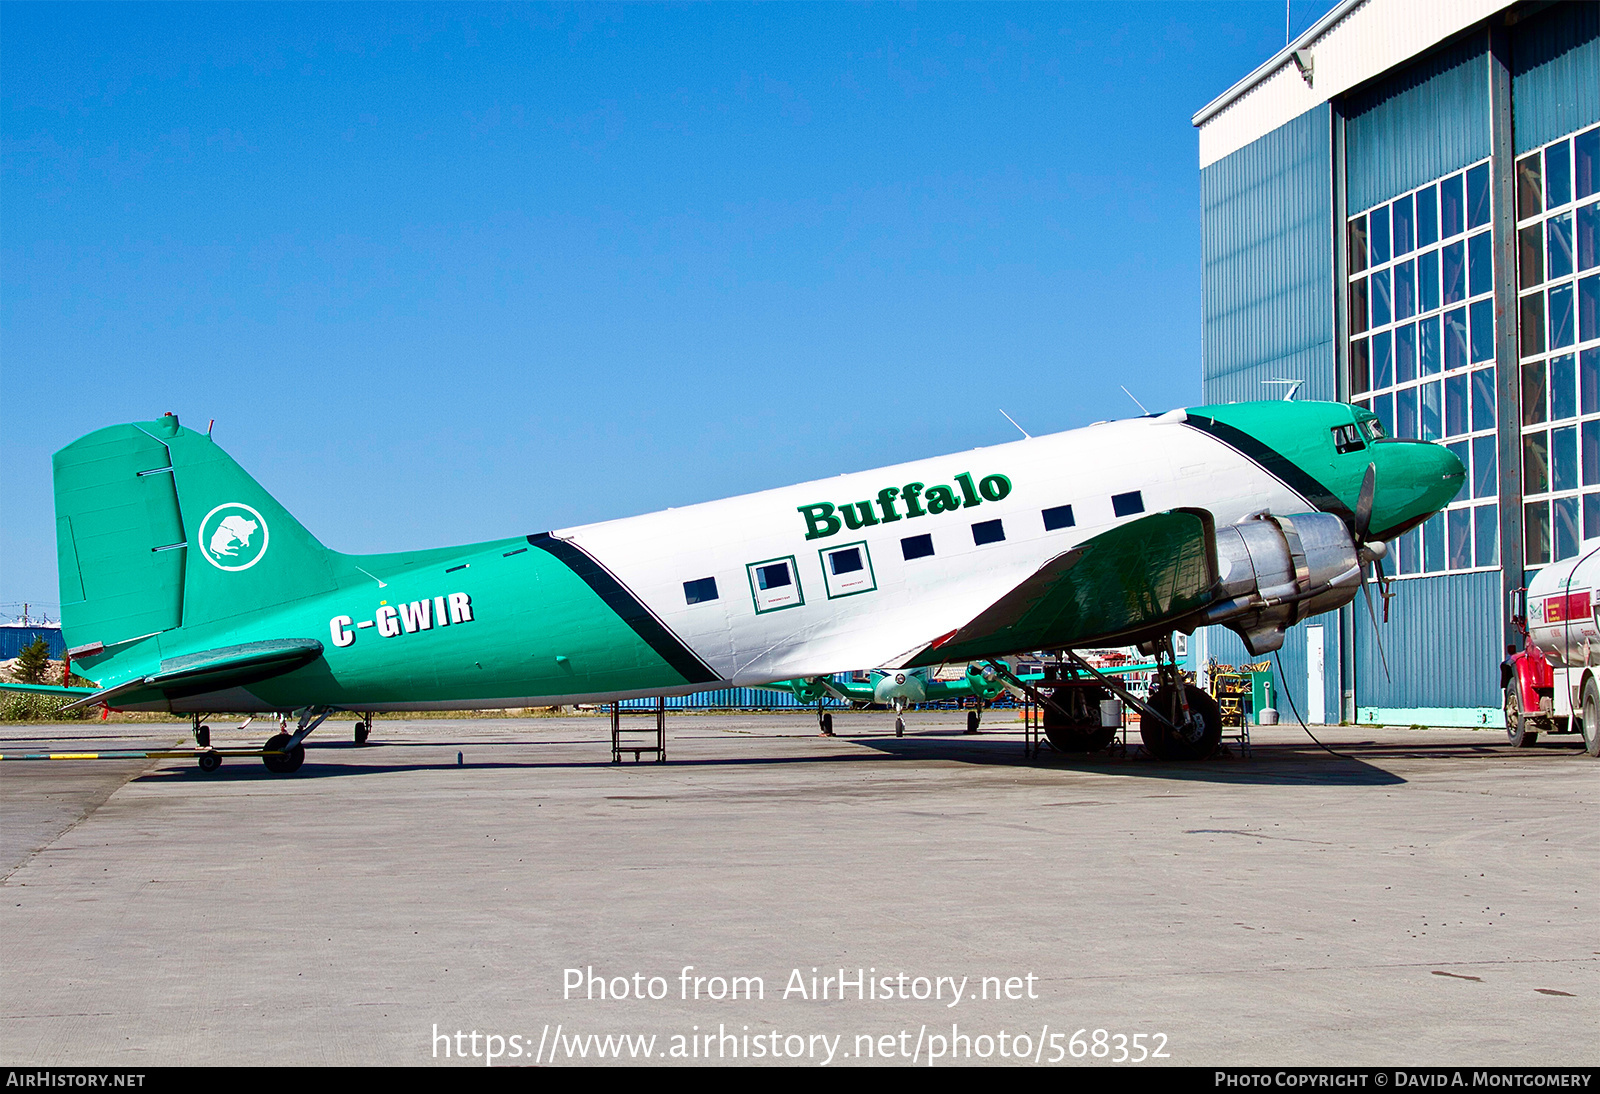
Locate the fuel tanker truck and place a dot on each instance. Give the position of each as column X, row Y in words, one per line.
column 1553, row 684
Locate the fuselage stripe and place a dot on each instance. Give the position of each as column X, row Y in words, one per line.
column 629, row 608
column 1275, row 463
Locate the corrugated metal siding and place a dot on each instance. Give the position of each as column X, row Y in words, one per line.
column 13, row 639
column 1226, row 648
column 1443, row 643
column 1267, row 252
column 1423, row 122
column 1555, row 73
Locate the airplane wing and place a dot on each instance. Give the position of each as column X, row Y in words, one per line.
column 192, row 674
column 810, row 689
column 1135, row 581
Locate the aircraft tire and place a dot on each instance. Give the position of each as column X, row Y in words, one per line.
column 972, row 721
column 1591, row 717
column 209, row 761
column 1092, row 739
column 899, row 727
column 289, row 762
column 827, row 725
column 1517, row 731
column 202, row 736
column 363, row 731
column 1163, row 743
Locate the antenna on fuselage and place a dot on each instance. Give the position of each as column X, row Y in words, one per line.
column 1294, row 386
column 1136, row 402
column 1013, row 421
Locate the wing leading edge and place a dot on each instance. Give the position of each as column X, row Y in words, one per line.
column 1133, row 582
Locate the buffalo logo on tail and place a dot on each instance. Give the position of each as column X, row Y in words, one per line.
column 233, row 536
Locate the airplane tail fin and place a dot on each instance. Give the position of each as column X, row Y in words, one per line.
column 157, row 529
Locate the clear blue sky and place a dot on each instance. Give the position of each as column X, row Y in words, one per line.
column 444, row 274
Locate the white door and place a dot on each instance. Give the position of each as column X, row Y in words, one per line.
column 1316, row 709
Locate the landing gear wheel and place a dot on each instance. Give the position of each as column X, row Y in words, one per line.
column 899, row 727
column 1591, row 717
column 210, row 761
column 289, row 761
column 1089, row 739
column 972, row 721
column 1166, row 744
column 1517, row 731
column 202, row 736
column 827, row 725
column 363, row 731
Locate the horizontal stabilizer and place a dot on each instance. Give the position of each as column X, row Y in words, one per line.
column 212, row 670
column 1139, row 579
column 54, row 690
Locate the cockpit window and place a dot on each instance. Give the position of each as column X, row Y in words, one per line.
column 1374, row 429
column 1347, row 438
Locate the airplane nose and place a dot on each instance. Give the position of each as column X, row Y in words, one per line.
column 1415, row 480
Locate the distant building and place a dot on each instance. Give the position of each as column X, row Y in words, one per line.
column 14, row 636
column 1402, row 210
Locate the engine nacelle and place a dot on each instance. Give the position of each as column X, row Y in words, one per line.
column 1276, row 571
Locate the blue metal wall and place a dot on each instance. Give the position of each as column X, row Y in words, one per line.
column 1555, row 73
column 1289, row 665
column 1267, row 253
column 1443, row 642
column 1425, row 121
column 12, row 639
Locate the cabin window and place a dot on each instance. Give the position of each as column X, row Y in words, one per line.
column 988, row 531
column 916, row 547
column 700, row 590
column 1059, row 517
column 1347, row 438
column 847, row 570
column 775, row 584
column 1125, row 505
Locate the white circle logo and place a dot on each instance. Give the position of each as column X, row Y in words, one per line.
column 233, row 536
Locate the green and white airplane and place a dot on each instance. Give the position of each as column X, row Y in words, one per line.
column 901, row 689
column 186, row 587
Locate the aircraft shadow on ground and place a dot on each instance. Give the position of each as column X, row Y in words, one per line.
column 1356, row 764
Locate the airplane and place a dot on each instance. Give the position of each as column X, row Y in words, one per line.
column 901, row 689
column 187, row 588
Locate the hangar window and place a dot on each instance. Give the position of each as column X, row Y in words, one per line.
column 700, row 590
column 988, row 531
column 1558, row 344
column 1125, row 505
column 1421, row 344
column 1059, row 517
column 916, row 547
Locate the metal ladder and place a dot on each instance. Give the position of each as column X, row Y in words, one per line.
column 657, row 742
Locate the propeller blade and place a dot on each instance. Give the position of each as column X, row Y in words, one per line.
column 1373, row 612
column 1369, row 483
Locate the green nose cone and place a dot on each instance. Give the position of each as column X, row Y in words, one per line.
column 1322, row 450
column 1415, row 480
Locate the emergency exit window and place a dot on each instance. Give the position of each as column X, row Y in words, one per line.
column 847, row 570
column 775, row 584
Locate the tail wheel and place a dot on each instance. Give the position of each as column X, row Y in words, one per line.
column 1517, row 731
column 1591, row 717
column 1195, row 742
column 289, row 761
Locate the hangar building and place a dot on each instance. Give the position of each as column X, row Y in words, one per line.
column 1402, row 209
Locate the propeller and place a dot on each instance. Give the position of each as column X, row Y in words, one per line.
column 1373, row 551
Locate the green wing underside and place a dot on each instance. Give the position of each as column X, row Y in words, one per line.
column 1125, row 585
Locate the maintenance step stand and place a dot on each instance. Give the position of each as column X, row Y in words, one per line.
column 657, row 742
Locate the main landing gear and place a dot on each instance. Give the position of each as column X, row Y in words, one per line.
column 1182, row 722
column 284, row 753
